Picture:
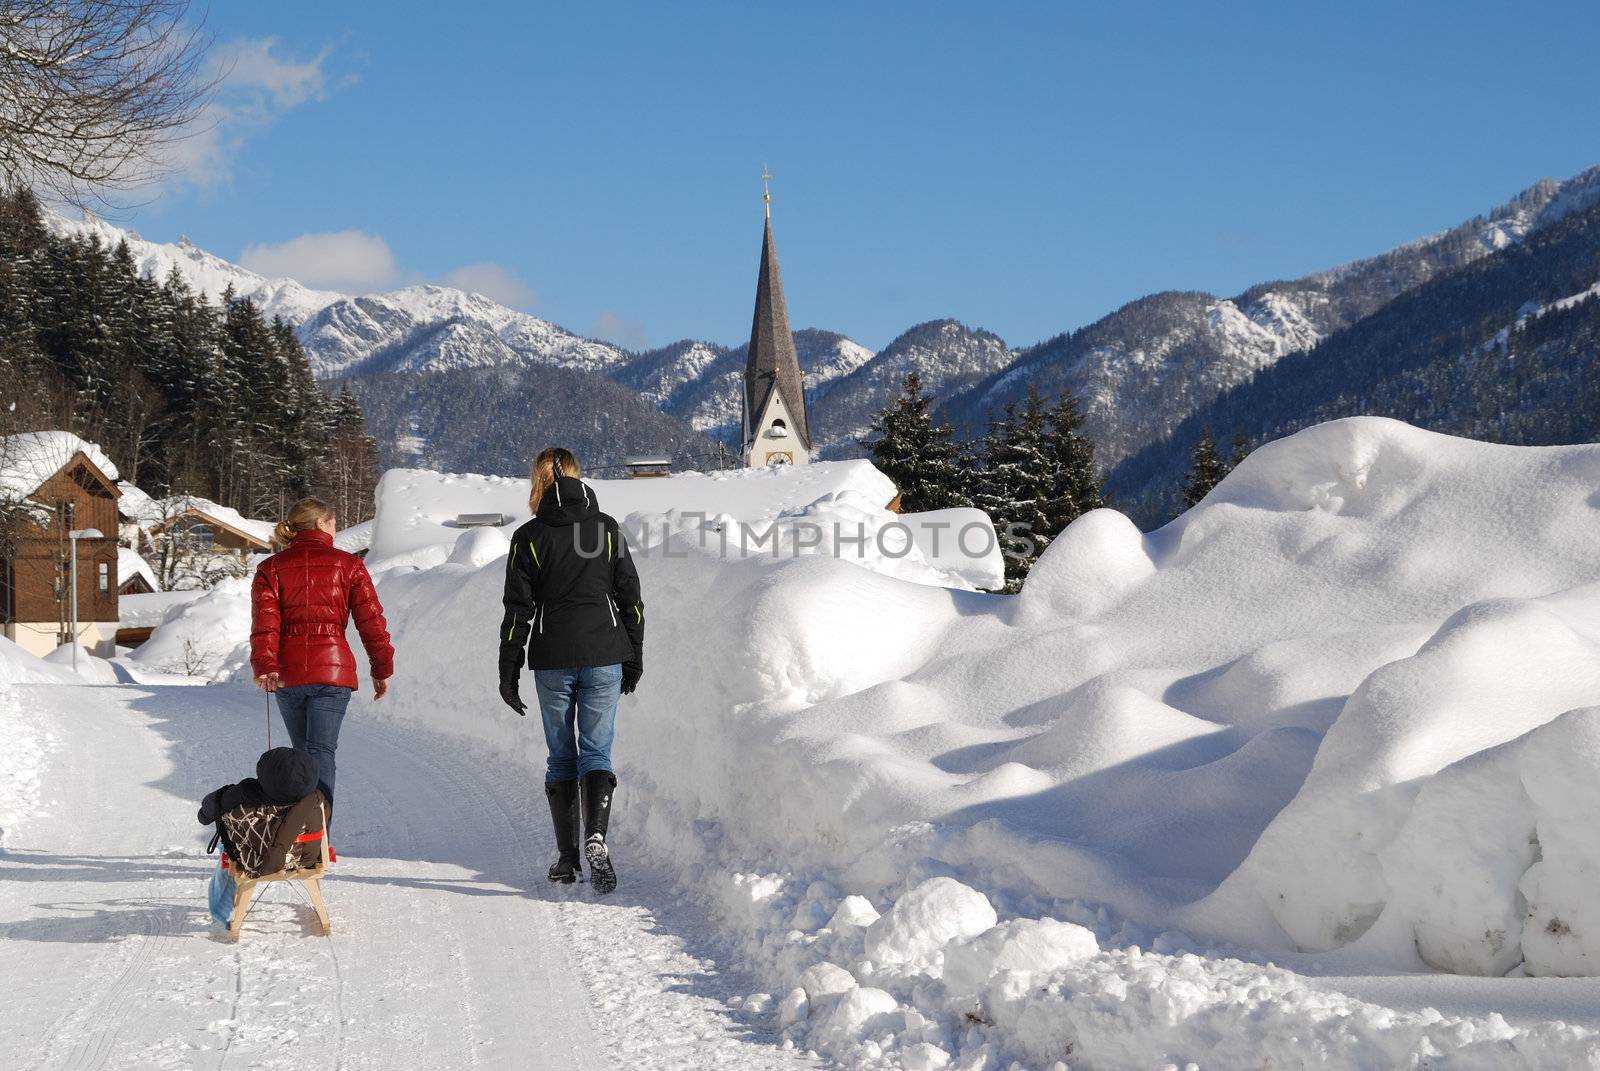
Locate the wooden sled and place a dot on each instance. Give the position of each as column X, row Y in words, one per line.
column 311, row 876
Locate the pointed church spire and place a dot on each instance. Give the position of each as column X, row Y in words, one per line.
column 772, row 367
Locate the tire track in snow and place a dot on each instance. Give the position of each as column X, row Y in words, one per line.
column 110, row 1009
column 546, row 971
column 390, row 811
column 644, row 992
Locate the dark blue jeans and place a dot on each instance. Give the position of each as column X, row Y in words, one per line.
column 313, row 713
column 579, row 707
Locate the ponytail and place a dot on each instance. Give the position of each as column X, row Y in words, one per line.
column 553, row 461
column 303, row 516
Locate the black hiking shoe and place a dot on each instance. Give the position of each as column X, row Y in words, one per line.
column 563, row 797
column 602, row 875
column 598, row 786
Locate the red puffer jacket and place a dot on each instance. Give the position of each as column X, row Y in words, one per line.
column 303, row 597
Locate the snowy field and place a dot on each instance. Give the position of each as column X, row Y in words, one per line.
column 1305, row 779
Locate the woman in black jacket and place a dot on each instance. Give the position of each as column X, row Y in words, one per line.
column 573, row 605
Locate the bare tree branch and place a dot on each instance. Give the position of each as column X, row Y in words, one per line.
column 92, row 92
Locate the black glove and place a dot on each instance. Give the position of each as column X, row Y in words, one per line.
column 510, row 671
column 632, row 670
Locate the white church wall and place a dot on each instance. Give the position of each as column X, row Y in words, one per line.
column 764, row 444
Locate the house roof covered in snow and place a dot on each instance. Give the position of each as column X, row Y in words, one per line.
column 150, row 609
column 186, row 505
column 29, row 459
column 130, row 564
column 137, row 506
column 356, row 538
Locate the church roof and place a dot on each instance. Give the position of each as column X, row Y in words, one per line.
column 772, row 364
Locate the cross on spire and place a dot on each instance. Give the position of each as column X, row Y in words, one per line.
column 766, row 189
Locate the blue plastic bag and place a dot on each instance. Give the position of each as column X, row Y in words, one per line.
column 223, row 888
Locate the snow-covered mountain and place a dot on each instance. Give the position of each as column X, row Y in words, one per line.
column 204, row 272
column 1144, row 368
column 1139, row 371
column 947, row 355
column 699, row 382
column 416, row 328
column 439, row 328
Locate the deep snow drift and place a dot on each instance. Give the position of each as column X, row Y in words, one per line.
column 1338, row 708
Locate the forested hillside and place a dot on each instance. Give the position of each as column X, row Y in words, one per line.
column 1504, row 349
column 1144, row 368
column 493, row 420
column 185, row 395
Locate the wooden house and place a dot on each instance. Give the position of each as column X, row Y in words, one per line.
column 207, row 526
column 52, row 483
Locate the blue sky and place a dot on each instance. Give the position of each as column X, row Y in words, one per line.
column 1024, row 168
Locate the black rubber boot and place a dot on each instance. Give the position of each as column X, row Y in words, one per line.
column 563, row 797
column 598, row 786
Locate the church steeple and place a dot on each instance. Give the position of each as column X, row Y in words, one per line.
column 775, row 428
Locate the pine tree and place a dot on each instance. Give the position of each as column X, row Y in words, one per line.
column 187, row 397
column 350, row 467
column 917, row 454
column 1014, row 487
column 1075, row 483
column 1206, row 472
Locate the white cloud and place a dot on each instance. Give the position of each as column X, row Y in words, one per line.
column 250, row 70
column 493, row 281
column 611, row 327
column 350, row 261
column 255, row 86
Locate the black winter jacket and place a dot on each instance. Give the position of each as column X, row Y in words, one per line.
column 572, row 592
column 283, row 776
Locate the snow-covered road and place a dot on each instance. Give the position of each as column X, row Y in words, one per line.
column 449, row 947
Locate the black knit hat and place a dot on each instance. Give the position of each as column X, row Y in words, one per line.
column 286, row 775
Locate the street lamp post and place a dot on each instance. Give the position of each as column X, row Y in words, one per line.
column 75, row 535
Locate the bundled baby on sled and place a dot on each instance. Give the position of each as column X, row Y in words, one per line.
column 271, row 826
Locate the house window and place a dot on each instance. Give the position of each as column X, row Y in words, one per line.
column 105, row 578
column 200, row 535
column 779, row 429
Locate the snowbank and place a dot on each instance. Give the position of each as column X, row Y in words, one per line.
column 837, row 508
column 28, row 741
column 204, row 635
column 416, row 507
column 1341, row 705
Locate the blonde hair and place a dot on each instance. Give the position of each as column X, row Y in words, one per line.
column 552, row 461
column 303, row 516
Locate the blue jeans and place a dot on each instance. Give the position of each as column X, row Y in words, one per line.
column 313, row 713
column 579, row 707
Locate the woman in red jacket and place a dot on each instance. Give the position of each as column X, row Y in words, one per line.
column 303, row 598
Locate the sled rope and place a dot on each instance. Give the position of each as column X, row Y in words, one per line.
column 269, row 720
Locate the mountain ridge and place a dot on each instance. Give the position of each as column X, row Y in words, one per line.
column 1139, row 371
column 1142, row 369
